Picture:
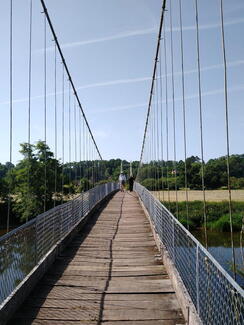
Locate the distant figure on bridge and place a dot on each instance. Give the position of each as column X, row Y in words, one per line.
column 131, row 183
column 131, row 179
column 122, row 179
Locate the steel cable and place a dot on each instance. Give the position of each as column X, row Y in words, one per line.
column 166, row 115
column 68, row 73
column 75, row 140
column 201, row 124
column 45, row 113
column 173, row 106
column 161, row 122
column 55, row 124
column 29, row 96
column 227, row 135
column 69, row 139
column 63, row 134
column 153, row 77
column 10, row 109
column 184, row 112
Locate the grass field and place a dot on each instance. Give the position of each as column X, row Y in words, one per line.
column 211, row 195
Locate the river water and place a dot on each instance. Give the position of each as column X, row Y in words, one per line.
column 219, row 245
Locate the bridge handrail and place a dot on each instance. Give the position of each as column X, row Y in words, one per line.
column 22, row 248
column 217, row 297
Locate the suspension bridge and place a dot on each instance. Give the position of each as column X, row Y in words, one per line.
column 89, row 252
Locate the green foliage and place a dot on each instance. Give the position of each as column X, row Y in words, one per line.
column 85, row 185
column 217, row 214
column 215, row 172
column 28, row 183
column 223, row 223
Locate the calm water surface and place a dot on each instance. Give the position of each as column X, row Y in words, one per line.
column 219, row 245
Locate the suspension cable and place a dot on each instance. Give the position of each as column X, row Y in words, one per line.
column 80, row 121
column 75, row 144
column 153, row 78
column 184, row 112
column 63, row 134
column 157, row 135
column 84, row 152
column 161, row 122
column 201, row 125
column 69, row 139
column 227, row 134
column 45, row 113
column 29, row 95
column 166, row 115
column 68, row 73
column 30, row 74
column 173, row 102
column 55, row 123
column 10, row 110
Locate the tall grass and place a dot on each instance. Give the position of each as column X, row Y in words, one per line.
column 217, row 214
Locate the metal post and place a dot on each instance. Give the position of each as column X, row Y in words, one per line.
column 197, row 277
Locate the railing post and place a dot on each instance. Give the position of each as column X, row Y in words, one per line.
column 82, row 204
column 197, row 277
column 36, row 243
column 173, row 239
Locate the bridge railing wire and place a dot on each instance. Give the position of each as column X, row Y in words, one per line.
column 24, row 247
column 217, row 298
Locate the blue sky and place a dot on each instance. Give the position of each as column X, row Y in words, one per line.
column 109, row 47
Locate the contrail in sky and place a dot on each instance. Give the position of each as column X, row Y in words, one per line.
column 138, row 33
column 127, row 81
column 188, row 97
column 105, row 39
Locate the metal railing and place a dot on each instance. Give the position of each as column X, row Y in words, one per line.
column 22, row 248
column 218, row 299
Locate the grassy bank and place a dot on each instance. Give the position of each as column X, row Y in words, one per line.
column 217, row 214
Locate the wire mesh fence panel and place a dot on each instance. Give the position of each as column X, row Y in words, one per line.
column 217, row 297
column 17, row 257
column 22, row 248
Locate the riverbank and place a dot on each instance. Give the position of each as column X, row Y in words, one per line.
column 217, row 214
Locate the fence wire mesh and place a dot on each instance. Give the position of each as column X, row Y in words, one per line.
column 218, row 299
column 22, row 248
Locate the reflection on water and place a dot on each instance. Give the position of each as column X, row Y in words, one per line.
column 219, row 244
column 17, row 258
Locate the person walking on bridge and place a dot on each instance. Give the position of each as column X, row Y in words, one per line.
column 131, row 179
column 122, row 179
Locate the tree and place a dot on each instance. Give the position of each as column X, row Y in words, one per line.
column 33, row 180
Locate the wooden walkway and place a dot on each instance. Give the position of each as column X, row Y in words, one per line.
column 110, row 274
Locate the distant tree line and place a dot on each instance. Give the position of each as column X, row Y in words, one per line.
column 39, row 180
column 157, row 175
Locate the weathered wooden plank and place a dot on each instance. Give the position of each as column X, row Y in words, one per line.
column 166, row 301
column 110, row 274
column 60, row 322
column 93, row 314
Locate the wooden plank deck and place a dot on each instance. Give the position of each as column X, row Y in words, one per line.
column 110, row 274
